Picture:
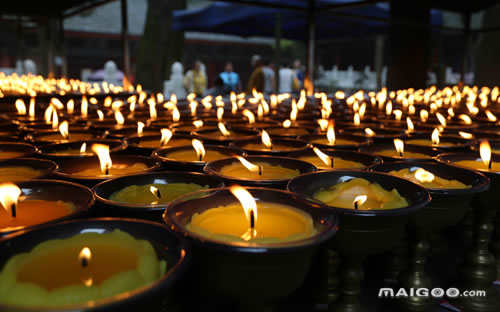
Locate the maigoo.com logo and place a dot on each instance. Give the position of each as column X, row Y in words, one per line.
column 426, row 292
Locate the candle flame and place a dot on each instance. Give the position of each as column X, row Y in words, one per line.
column 357, row 119
column 155, row 191
column 70, row 106
column 64, row 129
column 199, row 148
column 108, row 101
column 198, row 123
column 491, row 116
column 359, row 200
column 21, row 107
column 442, row 119
column 102, row 152
column 388, row 108
column 330, row 133
column 166, row 135
column 424, row 115
column 223, row 129
column 323, row 124
column 485, row 152
column 398, row 114
column 120, row 120
column 84, row 258
column 465, row 135
column 193, row 106
column 424, row 176
column 327, row 160
column 83, row 148
column 32, row 108
column 9, row 195
column 248, row 204
column 140, row 128
column 249, row 115
column 266, row 139
column 84, row 107
column 435, row 137
column 260, row 111
column 220, row 113
column 100, row 115
column 369, row 132
column 153, row 114
column 400, row 146
column 176, row 115
column 55, row 120
column 287, row 123
column 465, row 118
column 251, row 167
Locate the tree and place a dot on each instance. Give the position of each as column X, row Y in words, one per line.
column 159, row 46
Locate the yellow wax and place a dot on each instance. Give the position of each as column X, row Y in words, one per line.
column 337, row 142
column 217, row 135
column 74, row 151
column 262, row 147
column 427, row 142
column 18, row 173
column 274, row 223
column 393, row 153
column 338, row 163
column 34, row 211
column 9, row 154
column 72, row 137
column 141, row 194
column 288, row 131
column 51, row 274
column 269, row 172
column 190, row 155
column 342, row 195
column 116, row 170
column 156, row 143
column 478, row 164
column 437, row 183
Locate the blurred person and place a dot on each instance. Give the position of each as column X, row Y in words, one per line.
column 288, row 80
column 269, row 80
column 220, row 88
column 195, row 80
column 299, row 72
column 257, row 78
column 230, row 78
column 111, row 73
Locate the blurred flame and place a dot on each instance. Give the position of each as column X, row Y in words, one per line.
column 435, row 137
column 64, row 129
column 323, row 124
column 84, row 107
column 70, row 106
column 441, row 119
column 327, row 160
column 465, row 135
column 251, row 167
column 424, row 115
column 266, row 139
column 400, row 146
column 359, row 200
column 120, row 120
column 155, row 191
column 140, row 128
column 84, row 258
column 223, row 129
column 423, row 175
column 249, row 115
column 166, row 135
column 357, row 120
column 176, row 115
column 330, row 133
column 220, row 113
column 398, row 114
column 199, row 148
column 485, row 152
column 102, row 152
column 55, row 119
column 32, row 108
column 21, row 107
column 369, row 132
column 100, row 115
column 198, row 123
column 9, row 195
column 83, row 148
column 491, row 116
column 287, row 123
column 466, row 119
column 411, row 127
column 249, row 207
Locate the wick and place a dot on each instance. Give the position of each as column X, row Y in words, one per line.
column 490, row 163
column 158, row 194
column 331, row 162
column 200, row 157
column 356, row 205
column 252, row 220
column 400, row 154
column 13, row 210
column 84, row 262
column 260, row 170
column 106, row 171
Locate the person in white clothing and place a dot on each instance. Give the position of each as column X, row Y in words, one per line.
column 269, row 81
column 286, row 79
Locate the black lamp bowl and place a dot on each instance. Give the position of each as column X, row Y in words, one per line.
column 130, row 132
column 207, row 136
column 134, row 146
column 376, row 149
column 366, row 160
column 357, row 142
column 257, row 125
column 45, row 167
column 246, row 272
column 188, row 127
column 102, row 127
column 80, row 196
column 168, row 246
column 24, row 149
column 108, row 207
column 68, row 167
column 489, row 198
column 448, row 206
column 176, row 164
column 291, row 132
column 382, row 135
column 281, row 147
column 52, row 137
column 457, row 143
column 214, row 167
column 56, row 151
